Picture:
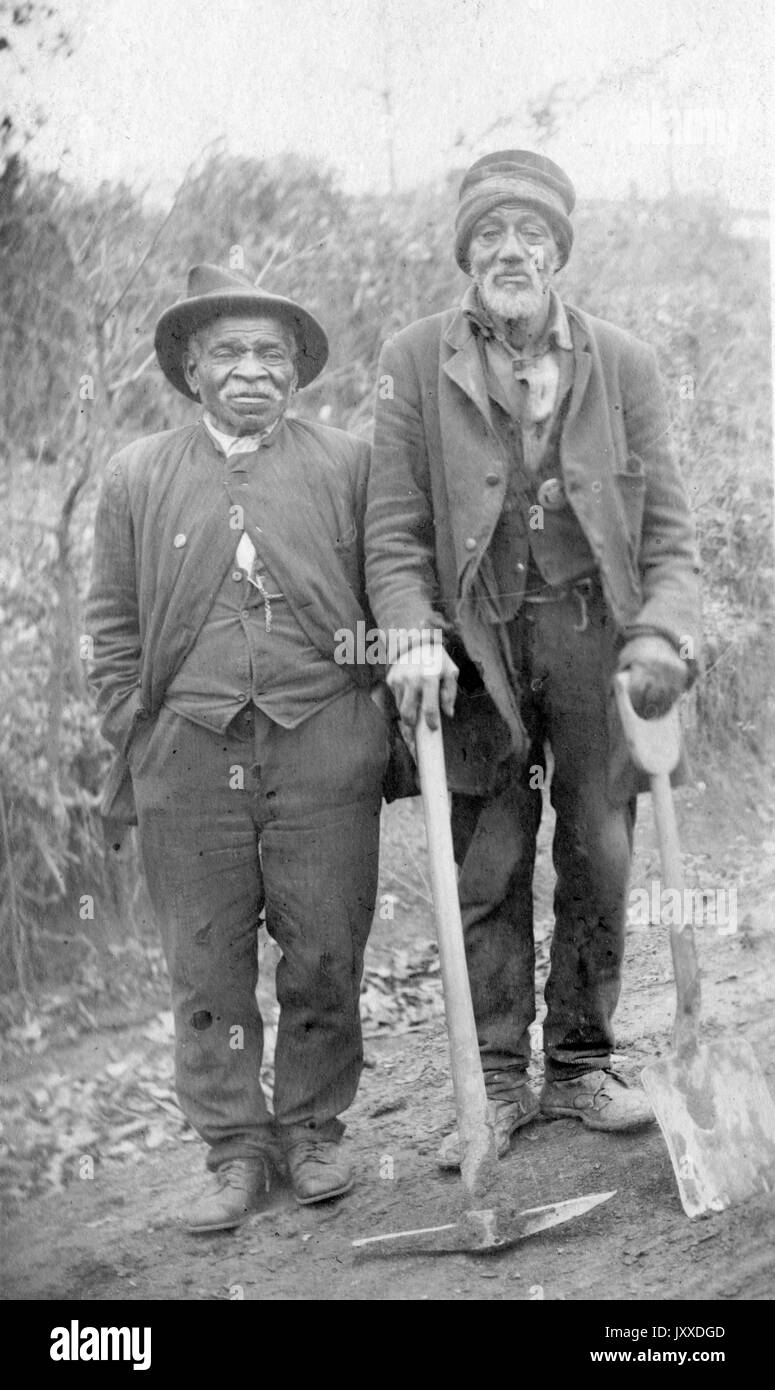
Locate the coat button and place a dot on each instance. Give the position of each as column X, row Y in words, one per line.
column 551, row 494
column 237, row 575
column 180, row 540
column 492, row 479
column 520, row 567
column 470, row 543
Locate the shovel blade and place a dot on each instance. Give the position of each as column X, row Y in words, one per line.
column 718, row 1119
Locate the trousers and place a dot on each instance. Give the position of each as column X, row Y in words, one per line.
column 564, row 677
column 280, row 820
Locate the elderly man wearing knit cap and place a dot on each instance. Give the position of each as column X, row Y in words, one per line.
column 523, row 498
column 228, row 554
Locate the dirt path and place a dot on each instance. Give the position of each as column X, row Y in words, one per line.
column 115, row 1237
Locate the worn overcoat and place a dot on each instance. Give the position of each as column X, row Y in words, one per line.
column 165, row 536
column 437, row 487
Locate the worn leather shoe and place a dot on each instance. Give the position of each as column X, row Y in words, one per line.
column 506, row 1116
column 600, row 1099
column 238, row 1187
column 318, row 1170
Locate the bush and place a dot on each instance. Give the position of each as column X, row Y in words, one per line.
column 80, row 300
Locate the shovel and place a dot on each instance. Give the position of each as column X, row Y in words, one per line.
column 481, row 1229
column 711, row 1099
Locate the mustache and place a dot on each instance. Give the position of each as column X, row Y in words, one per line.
column 528, row 272
column 272, row 395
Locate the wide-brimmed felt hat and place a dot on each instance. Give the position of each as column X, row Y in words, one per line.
column 212, row 293
column 515, row 176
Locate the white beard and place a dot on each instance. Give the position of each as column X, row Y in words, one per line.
column 510, row 302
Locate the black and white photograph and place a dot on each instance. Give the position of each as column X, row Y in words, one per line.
column 387, row 822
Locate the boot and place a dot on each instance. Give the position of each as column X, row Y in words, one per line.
column 600, row 1099
column 318, row 1170
column 507, row 1116
column 238, row 1187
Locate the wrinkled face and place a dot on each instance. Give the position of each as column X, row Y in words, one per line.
column 244, row 370
column 513, row 257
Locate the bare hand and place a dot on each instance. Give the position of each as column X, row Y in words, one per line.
column 658, row 675
column 422, row 680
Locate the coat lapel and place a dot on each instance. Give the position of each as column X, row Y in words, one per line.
column 464, row 365
column 292, row 537
column 471, row 448
column 582, row 365
column 196, row 547
column 589, row 461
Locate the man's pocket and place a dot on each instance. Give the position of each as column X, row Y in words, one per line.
column 118, row 799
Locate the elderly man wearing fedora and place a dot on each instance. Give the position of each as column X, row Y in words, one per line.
column 523, row 496
column 228, row 554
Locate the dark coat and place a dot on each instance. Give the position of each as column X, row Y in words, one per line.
column 437, row 487
column 163, row 544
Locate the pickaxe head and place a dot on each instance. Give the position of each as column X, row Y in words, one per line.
column 479, row 1232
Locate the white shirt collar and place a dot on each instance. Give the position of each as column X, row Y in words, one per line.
column 236, row 443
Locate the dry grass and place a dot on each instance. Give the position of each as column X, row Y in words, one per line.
column 670, row 272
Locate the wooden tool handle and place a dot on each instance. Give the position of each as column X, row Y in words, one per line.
column 682, row 947
column 476, row 1137
column 655, row 747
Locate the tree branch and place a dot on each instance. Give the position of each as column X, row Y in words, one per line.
column 297, row 255
column 115, row 386
column 147, row 253
column 17, row 926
